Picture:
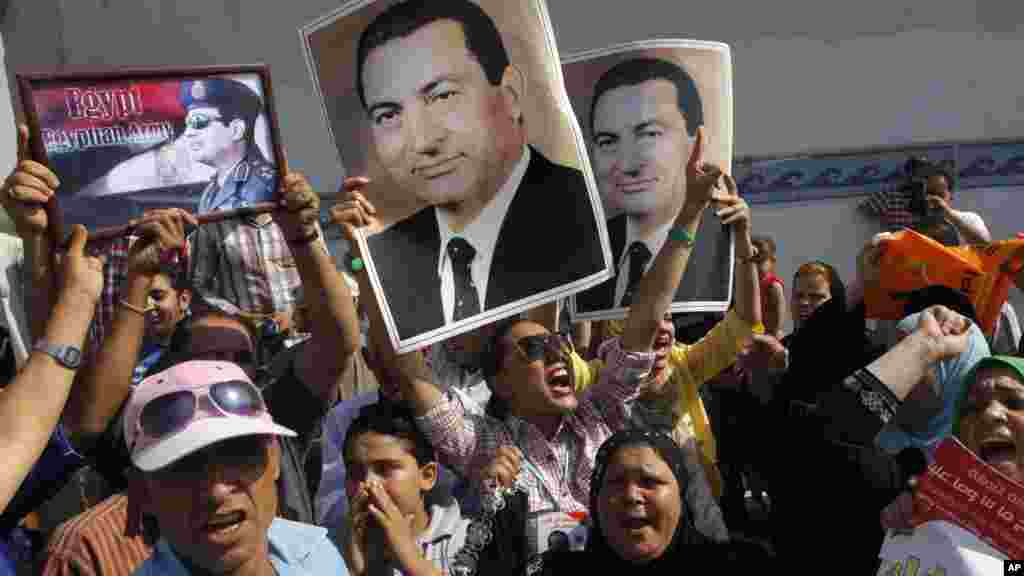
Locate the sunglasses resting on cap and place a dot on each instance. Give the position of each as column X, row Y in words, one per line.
column 190, row 406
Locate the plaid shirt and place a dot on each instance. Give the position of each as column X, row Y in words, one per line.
column 892, row 206
column 235, row 264
column 245, row 264
column 115, row 271
column 564, row 464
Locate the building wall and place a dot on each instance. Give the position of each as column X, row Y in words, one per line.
column 808, row 76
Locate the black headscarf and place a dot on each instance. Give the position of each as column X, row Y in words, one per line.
column 598, row 552
column 673, row 456
column 503, row 553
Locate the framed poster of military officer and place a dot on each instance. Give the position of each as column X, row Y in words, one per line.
column 457, row 111
column 640, row 105
column 127, row 140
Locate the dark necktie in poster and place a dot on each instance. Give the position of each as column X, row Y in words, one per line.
column 457, row 111
column 640, row 105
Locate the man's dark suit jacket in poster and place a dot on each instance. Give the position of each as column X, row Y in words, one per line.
column 549, row 238
column 707, row 272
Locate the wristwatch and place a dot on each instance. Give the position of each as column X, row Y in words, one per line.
column 69, row 357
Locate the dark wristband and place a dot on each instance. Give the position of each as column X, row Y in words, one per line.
column 873, row 394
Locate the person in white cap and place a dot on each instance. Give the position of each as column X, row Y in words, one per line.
column 207, row 456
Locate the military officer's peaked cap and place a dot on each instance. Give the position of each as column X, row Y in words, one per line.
column 226, row 95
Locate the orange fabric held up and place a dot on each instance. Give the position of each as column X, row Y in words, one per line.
column 911, row 261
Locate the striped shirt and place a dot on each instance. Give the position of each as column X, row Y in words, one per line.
column 93, row 543
column 560, row 467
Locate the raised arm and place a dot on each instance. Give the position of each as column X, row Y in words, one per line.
column 582, row 336
column 335, row 324
column 970, row 226
column 25, row 194
column 941, row 333
column 776, row 311
column 106, row 381
column 443, row 420
column 735, row 212
column 629, row 359
column 869, row 269
column 719, row 348
column 657, row 287
column 408, row 370
column 30, row 407
column 872, row 396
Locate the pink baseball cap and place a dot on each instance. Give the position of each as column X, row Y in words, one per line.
column 190, row 406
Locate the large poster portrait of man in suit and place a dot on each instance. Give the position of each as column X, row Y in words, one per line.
column 640, row 105
column 479, row 168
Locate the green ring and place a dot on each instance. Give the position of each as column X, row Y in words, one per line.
column 357, row 264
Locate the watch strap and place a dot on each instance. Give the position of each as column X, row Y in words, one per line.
column 67, row 356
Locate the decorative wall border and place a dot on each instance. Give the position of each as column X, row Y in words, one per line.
column 857, row 173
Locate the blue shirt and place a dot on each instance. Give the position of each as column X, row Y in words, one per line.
column 252, row 180
column 295, row 549
column 51, row 472
column 149, row 356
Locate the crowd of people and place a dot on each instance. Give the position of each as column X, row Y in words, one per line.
column 509, row 449
column 293, row 438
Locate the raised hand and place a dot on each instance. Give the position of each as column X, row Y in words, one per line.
column 505, row 466
column 161, row 239
column 399, row 529
column 945, row 331
column 355, row 211
column 732, row 209
column 938, row 203
column 27, row 190
column 81, row 274
column 869, row 261
column 300, row 209
column 766, row 352
column 701, row 177
column 357, row 546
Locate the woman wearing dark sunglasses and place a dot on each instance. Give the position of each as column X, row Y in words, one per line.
column 531, row 373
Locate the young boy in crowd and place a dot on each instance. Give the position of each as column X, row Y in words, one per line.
column 773, row 296
column 392, row 528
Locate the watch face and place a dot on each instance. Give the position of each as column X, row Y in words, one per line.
column 72, row 357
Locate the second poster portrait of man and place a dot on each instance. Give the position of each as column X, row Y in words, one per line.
column 640, row 105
